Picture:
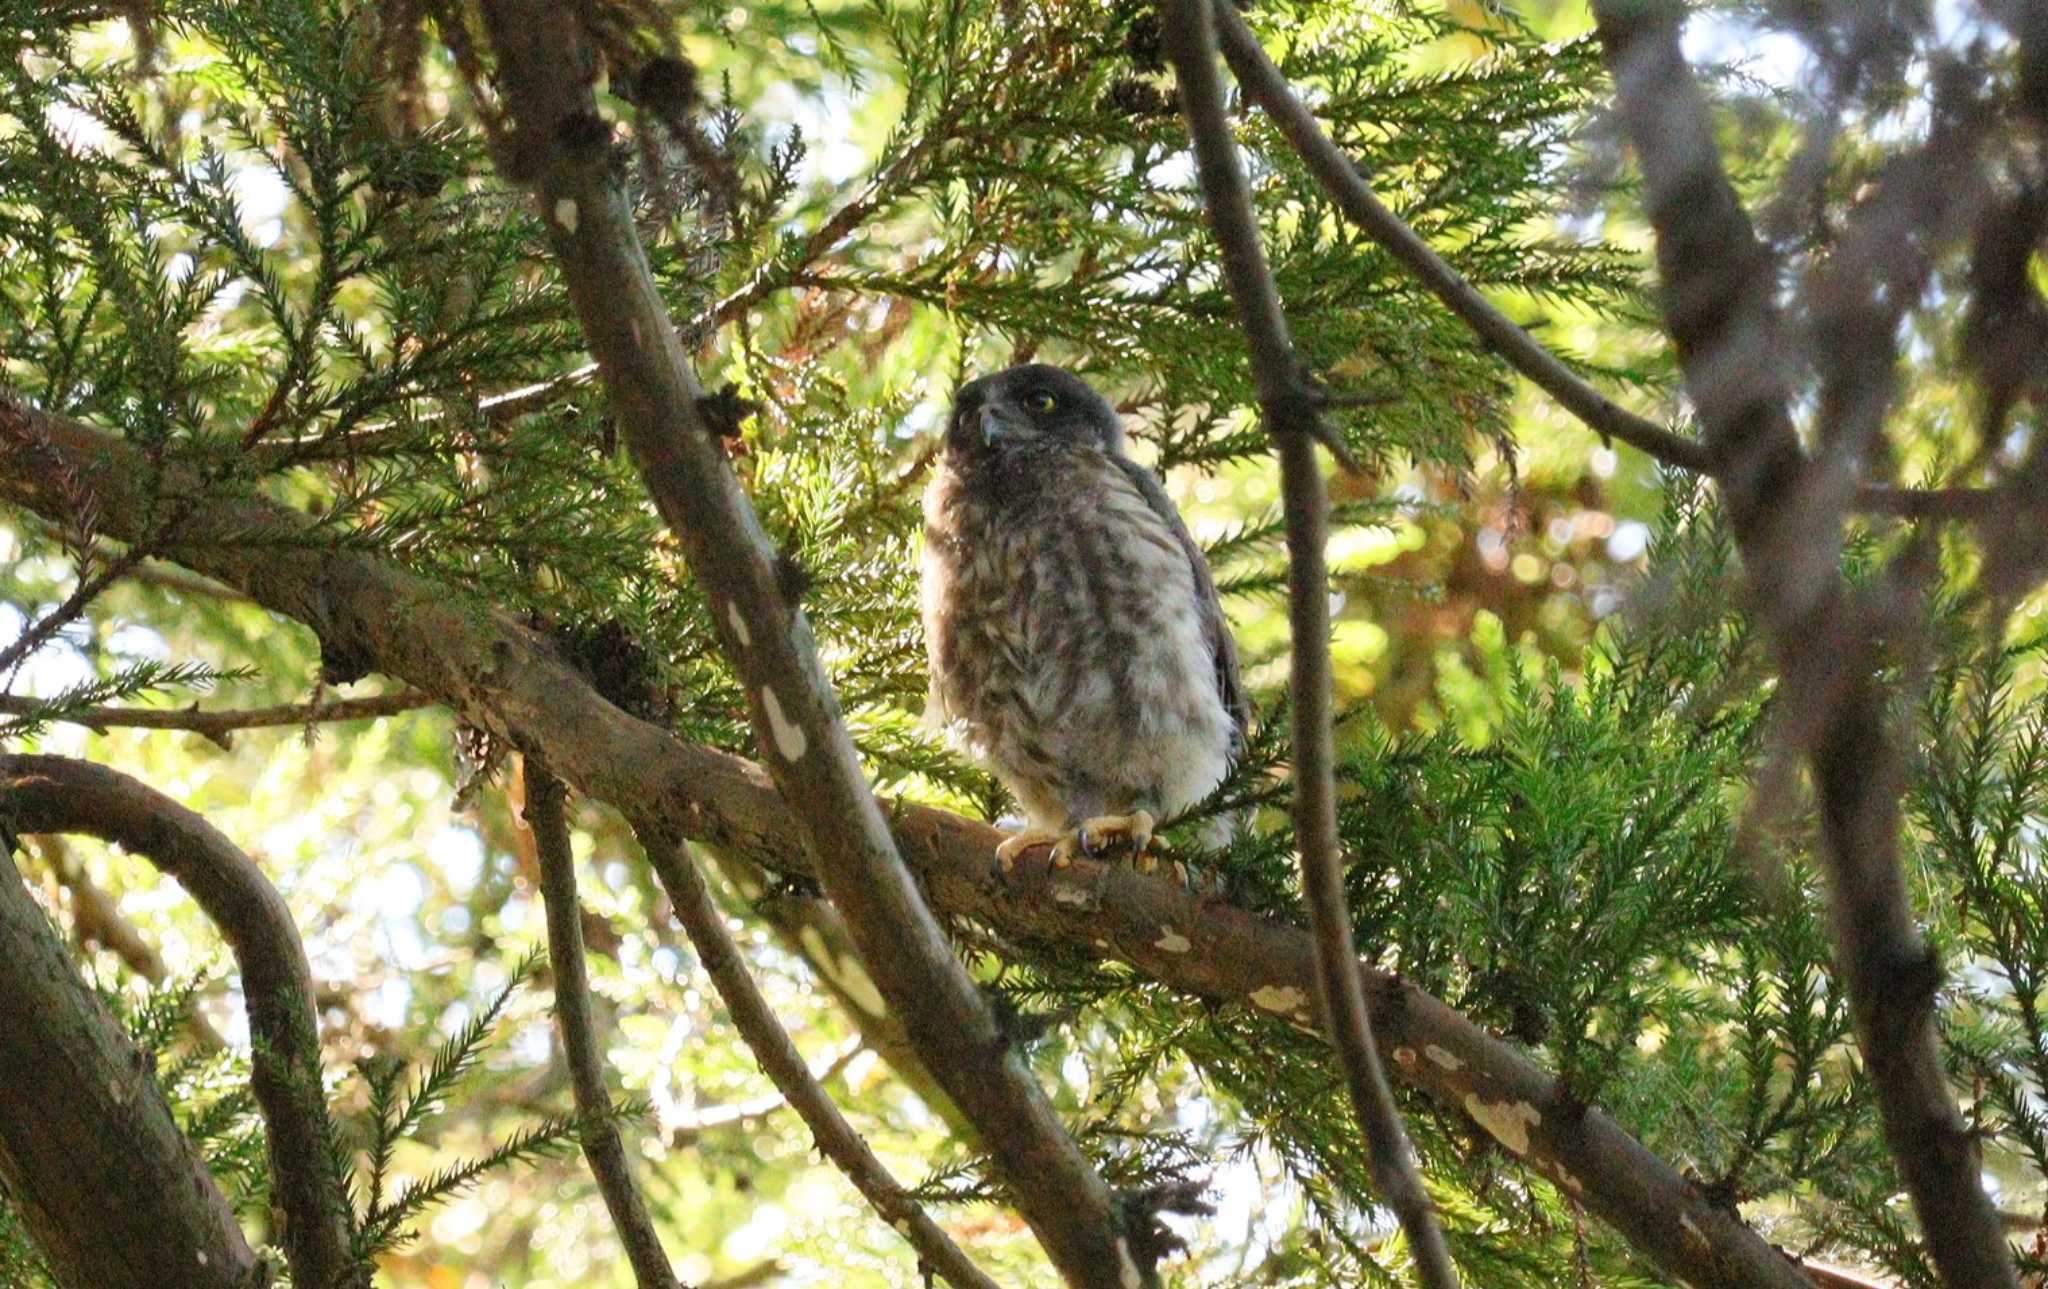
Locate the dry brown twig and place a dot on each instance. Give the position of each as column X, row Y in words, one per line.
column 1289, row 406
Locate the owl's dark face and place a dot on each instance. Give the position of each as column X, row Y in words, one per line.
column 1031, row 406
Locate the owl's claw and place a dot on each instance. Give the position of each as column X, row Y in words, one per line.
column 1117, row 832
column 1011, row 847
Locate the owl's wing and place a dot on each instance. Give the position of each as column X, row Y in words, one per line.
column 1214, row 626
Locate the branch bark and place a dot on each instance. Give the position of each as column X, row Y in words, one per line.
column 112, row 1193
column 777, row 1056
column 504, row 678
column 544, row 67
column 1719, row 285
column 1289, row 408
column 601, row 1145
column 52, row 794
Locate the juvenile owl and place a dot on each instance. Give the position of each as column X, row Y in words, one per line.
column 1077, row 647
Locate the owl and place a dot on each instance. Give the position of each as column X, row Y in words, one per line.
column 1077, row 647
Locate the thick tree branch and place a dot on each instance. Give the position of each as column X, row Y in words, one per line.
column 219, row 725
column 1719, row 286
column 503, row 677
column 601, row 1144
column 1289, row 409
column 59, row 795
column 112, row 1193
column 1347, row 186
column 785, row 1066
column 561, row 145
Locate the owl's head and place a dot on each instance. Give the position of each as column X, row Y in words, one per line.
column 1033, row 403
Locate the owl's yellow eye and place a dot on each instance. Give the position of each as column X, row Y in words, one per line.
column 1039, row 400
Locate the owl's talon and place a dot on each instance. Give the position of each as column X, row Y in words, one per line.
column 1063, row 849
column 1010, row 847
column 1105, row 833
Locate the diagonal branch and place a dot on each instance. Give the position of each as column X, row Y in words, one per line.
column 504, row 678
column 1289, row 408
column 544, row 66
column 1719, row 285
column 779, row 1059
column 601, row 1144
column 56, row 794
column 1343, row 182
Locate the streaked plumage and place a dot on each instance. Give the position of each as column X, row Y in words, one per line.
column 1076, row 643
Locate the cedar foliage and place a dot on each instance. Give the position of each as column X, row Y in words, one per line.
column 1579, row 836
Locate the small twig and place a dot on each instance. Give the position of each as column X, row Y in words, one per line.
column 60, row 795
column 740, row 1113
column 218, row 725
column 1289, row 406
column 601, row 1144
column 785, row 1066
column 88, row 590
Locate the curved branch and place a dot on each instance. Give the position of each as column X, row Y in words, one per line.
column 112, row 1193
column 1289, row 410
column 785, row 1066
column 601, row 1144
column 59, row 795
column 767, row 641
column 503, row 677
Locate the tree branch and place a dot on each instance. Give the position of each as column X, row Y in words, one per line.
column 218, row 725
column 543, row 64
column 112, row 1193
column 601, row 1144
column 1289, row 408
column 59, row 795
column 1719, row 286
column 1341, row 179
column 504, row 678
column 778, row 1057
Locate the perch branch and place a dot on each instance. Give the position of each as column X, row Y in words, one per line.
column 751, row 1014
column 767, row 641
column 504, row 678
column 1289, row 409
column 601, row 1144
column 53, row 794
column 1718, row 289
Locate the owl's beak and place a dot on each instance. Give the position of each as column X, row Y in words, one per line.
column 995, row 426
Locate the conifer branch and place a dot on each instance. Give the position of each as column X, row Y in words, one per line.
column 606, row 1154
column 504, row 677
column 543, row 74
column 60, row 795
column 219, row 725
column 778, row 1057
column 1719, row 287
column 1342, row 180
column 1289, row 409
